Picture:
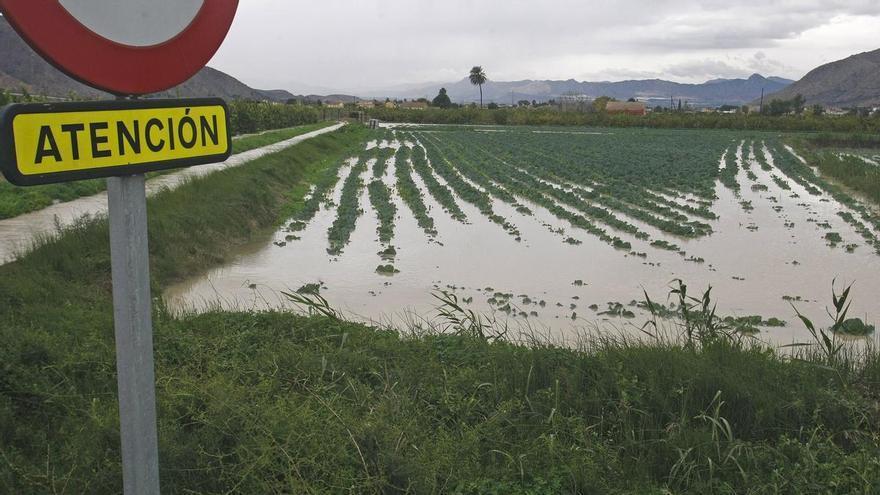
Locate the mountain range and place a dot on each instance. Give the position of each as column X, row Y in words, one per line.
column 854, row 81
column 851, row 82
column 22, row 68
column 655, row 91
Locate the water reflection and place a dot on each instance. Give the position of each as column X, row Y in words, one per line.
column 759, row 261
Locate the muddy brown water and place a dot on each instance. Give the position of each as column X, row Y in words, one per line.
column 752, row 261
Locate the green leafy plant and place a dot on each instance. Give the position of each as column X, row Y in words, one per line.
column 826, row 340
column 466, row 322
column 314, row 304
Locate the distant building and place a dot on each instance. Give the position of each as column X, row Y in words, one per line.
column 572, row 98
column 572, row 102
column 390, row 104
column 334, row 104
column 414, row 105
column 626, row 107
column 366, row 104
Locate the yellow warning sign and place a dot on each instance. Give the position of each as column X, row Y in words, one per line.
column 61, row 142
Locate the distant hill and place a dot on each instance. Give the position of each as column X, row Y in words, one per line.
column 7, row 81
column 212, row 82
column 851, row 82
column 21, row 67
column 655, row 91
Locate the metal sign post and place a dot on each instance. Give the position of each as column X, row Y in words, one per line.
column 126, row 47
column 133, row 321
column 120, row 140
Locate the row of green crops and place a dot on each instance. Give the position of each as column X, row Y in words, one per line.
column 320, row 194
column 730, row 171
column 440, row 192
column 786, row 167
column 863, row 219
column 633, row 190
column 380, row 196
column 348, row 210
column 467, row 192
column 272, row 402
column 410, row 193
column 560, row 202
column 580, row 173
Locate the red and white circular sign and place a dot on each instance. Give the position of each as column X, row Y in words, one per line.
column 125, row 47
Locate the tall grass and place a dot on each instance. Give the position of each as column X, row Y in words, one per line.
column 852, row 172
column 281, row 403
column 827, row 140
column 58, row 413
column 275, row 401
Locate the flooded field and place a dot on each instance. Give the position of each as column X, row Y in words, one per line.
column 560, row 230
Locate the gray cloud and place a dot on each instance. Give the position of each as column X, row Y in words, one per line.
column 353, row 45
column 704, row 69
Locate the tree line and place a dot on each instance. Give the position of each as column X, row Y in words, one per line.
column 246, row 116
column 804, row 122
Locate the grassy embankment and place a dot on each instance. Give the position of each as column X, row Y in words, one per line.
column 852, row 172
column 16, row 201
column 279, row 403
column 824, row 152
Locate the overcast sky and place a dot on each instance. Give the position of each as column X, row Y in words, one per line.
column 358, row 45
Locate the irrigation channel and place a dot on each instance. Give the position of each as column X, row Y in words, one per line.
column 548, row 232
column 18, row 234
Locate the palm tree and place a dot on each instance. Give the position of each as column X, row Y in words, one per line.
column 478, row 78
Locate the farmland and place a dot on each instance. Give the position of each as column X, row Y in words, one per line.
column 274, row 402
column 528, row 284
column 509, row 219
